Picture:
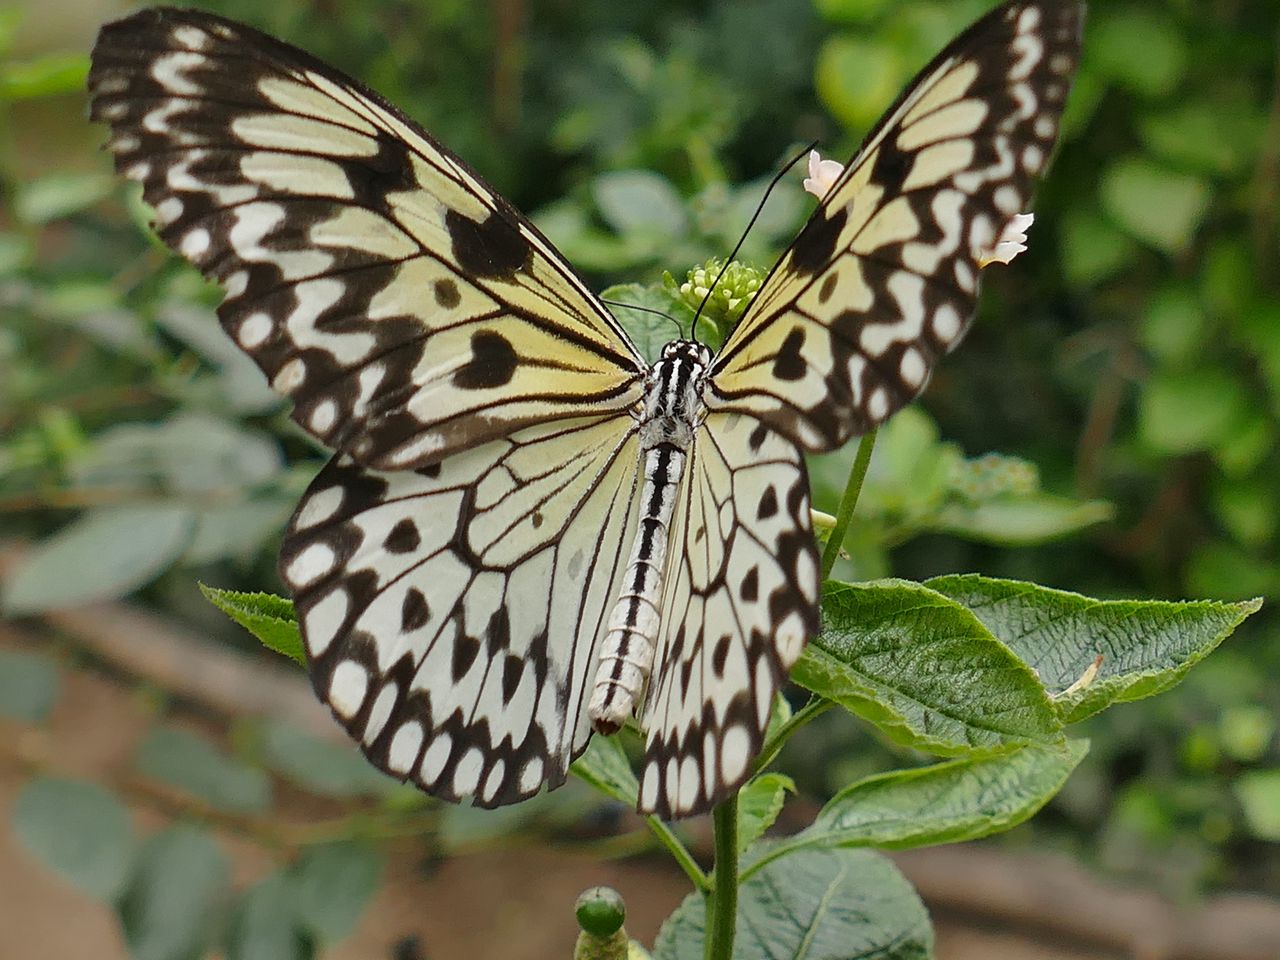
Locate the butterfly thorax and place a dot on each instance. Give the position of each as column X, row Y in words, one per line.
column 672, row 404
column 671, row 411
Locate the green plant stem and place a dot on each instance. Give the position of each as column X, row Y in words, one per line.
column 678, row 850
column 774, row 744
column 850, row 500
column 722, row 902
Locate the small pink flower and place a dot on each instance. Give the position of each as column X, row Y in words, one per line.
column 1012, row 241
column 823, row 175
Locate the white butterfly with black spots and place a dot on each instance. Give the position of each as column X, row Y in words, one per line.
column 528, row 532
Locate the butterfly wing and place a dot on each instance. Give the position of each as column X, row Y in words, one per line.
column 741, row 599
column 406, row 309
column 452, row 615
column 883, row 280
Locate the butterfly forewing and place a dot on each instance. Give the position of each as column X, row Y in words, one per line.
column 883, row 279
column 452, row 615
column 405, row 308
column 741, row 599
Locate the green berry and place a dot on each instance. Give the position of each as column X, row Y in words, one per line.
column 600, row 911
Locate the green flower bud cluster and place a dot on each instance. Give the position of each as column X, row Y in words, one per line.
column 993, row 475
column 732, row 295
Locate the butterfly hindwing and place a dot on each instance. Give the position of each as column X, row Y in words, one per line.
column 883, row 280
column 405, row 308
column 741, row 599
column 452, row 615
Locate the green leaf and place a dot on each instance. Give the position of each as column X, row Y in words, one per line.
column 177, row 892
column 1093, row 249
column 1155, row 205
column 1244, row 449
column 78, row 830
column 105, row 554
column 269, row 618
column 1185, row 411
column 331, row 885
column 604, row 766
column 1147, row 645
column 184, row 759
column 1174, row 326
column 323, row 767
column 909, row 469
column 1204, row 136
column 1020, row 520
column 640, row 201
column 48, row 76
column 1259, row 795
column 759, row 804
column 851, row 11
column 264, row 926
column 240, row 384
column 944, row 803
column 236, row 531
column 1247, row 508
column 649, row 331
column 28, row 685
column 1140, row 49
column 855, row 78
column 191, row 454
column 58, row 195
column 850, row 904
column 924, row 670
column 1225, row 571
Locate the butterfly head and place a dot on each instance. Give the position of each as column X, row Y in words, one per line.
column 690, row 351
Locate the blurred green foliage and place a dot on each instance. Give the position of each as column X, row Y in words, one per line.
column 1132, row 356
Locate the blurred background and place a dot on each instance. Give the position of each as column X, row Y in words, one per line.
column 1110, row 426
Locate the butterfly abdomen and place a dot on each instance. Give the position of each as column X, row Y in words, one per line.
column 672, row 410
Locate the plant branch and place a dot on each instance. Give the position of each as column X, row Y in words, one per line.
column 722, row 903
column 666, row 836
column 847, row 502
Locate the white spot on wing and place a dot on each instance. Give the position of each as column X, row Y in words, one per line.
column 195, row 243
column 319, row 507
column 435, row 759
column 531, row 775
column 290, row 376
column 190, row 37
column 690, row 780
column 310, row 565
column 254, row 330
column 380, row 713
column 348, row 687
column 168, row 71
column 404, row 747
column 323, row 621
column 466, row 775
column 736, row 755
column 493, row 782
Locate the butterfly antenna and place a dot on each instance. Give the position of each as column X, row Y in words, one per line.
column 693, row 329
column 636, row 306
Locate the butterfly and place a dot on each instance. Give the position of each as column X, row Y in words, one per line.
column 528, row 532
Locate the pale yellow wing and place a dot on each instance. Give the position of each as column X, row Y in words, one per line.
column 452, row 615
column 405, row 308
column 883, row 280
column 740, row 601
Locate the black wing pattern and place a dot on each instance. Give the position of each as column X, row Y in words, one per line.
column 883, row 280
column 405, row 308
column 452, row 615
